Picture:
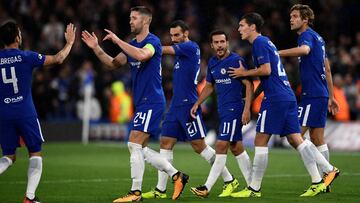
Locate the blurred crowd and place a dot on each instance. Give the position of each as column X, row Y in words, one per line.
column 58, row 91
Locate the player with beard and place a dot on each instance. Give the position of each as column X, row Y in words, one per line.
column 18, row 117
column 178, row 124
column 278, row 112
column 317, row 88
column 143, row 54
column 232, row 111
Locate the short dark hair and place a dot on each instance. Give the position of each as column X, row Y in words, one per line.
column 217, row 32
column 305, row 12
column 143, row 10
column 8, row 32
column 254, row 19
column 180, row 23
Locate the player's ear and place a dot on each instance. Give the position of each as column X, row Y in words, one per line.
column 253, row 27
column 306, row 20
column 18, row 39
column 147, row 20
column 186, row 33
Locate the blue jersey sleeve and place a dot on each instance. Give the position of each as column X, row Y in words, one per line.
column 209, row 77
column 261, row 53
column 34, row 59
column 305, row 39
column 184, row 49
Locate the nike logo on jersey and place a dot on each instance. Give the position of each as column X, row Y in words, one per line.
column 222, row 135
column 192, row 135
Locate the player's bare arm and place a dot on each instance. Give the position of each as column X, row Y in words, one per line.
column 140, row 54
column 64, row 52
column 205, row 93
column 333, row 105
column 263, row 70
column 249, row 89
column 91, row 41
column 168, row 50
column 296, row 51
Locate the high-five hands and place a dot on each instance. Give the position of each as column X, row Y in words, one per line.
column 111, row 36
column 90, row 39
column 70, row 33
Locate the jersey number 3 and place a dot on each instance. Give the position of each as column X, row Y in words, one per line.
column 13, row 79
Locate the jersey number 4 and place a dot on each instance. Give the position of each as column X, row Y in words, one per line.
column 13, row 79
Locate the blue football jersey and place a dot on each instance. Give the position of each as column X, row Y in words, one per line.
column 16, row 68
column 146, row 76
column 186, row 70
column 276, row 86
column 228, row 89
column 312, row 66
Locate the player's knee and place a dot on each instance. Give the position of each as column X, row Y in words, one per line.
column 294, row 140
column 237, row 148
column 36, row 152
column 261, row 140
column 166, row 143
column 197, row 149
column 317, row 141
column 221, row 147
column 198, row 145
column 138, row 137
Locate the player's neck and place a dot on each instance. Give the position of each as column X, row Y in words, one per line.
column 227, row 53
column 14, row 45
column 302, row 29
column 142, row 35
column 253, row 37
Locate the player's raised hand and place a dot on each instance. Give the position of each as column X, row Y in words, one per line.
column 111, row 36
column 90, row 39
column 193, row 110
column 70, row 33
column 237, row 72
column 333, row 106
column 245, row 118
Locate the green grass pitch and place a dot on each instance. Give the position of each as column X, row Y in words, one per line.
column 99, row 172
